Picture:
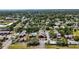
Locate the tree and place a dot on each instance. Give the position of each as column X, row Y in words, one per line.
column 62, row 42
column 33, row 42
column 10, row 27
column 32, row 29
column 52, row 34
column 68, row 30
column 76, row 38
column 62, row 31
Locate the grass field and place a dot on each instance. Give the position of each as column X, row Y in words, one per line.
column 24, row 46
column 18, row 46
column 62, row 47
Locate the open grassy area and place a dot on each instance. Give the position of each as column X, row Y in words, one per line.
column 74, row 46
column 22, row 46
column 61, row 47
column 18, row 46
column 54, row 47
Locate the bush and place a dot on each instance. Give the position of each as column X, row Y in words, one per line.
column 62, row 42
column 32, row 29
column 76, row 38
column 52, row 34
column 33, row 42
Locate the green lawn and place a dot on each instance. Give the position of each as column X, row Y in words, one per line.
column 74, row 46
column 18, row 46
column 62, row 47
column 24, row 46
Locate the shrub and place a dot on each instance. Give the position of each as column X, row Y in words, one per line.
column 33, row 42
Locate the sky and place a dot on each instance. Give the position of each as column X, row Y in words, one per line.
column 39, row 4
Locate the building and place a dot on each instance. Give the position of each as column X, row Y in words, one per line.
column 42, row 34
column 69, row 36
column 4, row 32
column 58, row 35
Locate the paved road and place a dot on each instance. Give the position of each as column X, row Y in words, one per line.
column 42, row 43
column 7, row 43
column 42, row 40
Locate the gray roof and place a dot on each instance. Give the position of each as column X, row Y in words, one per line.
column 4, row 31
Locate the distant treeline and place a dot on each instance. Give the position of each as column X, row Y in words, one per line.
column 38, row 11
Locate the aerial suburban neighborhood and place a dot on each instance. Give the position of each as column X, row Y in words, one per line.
column 39, row 29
